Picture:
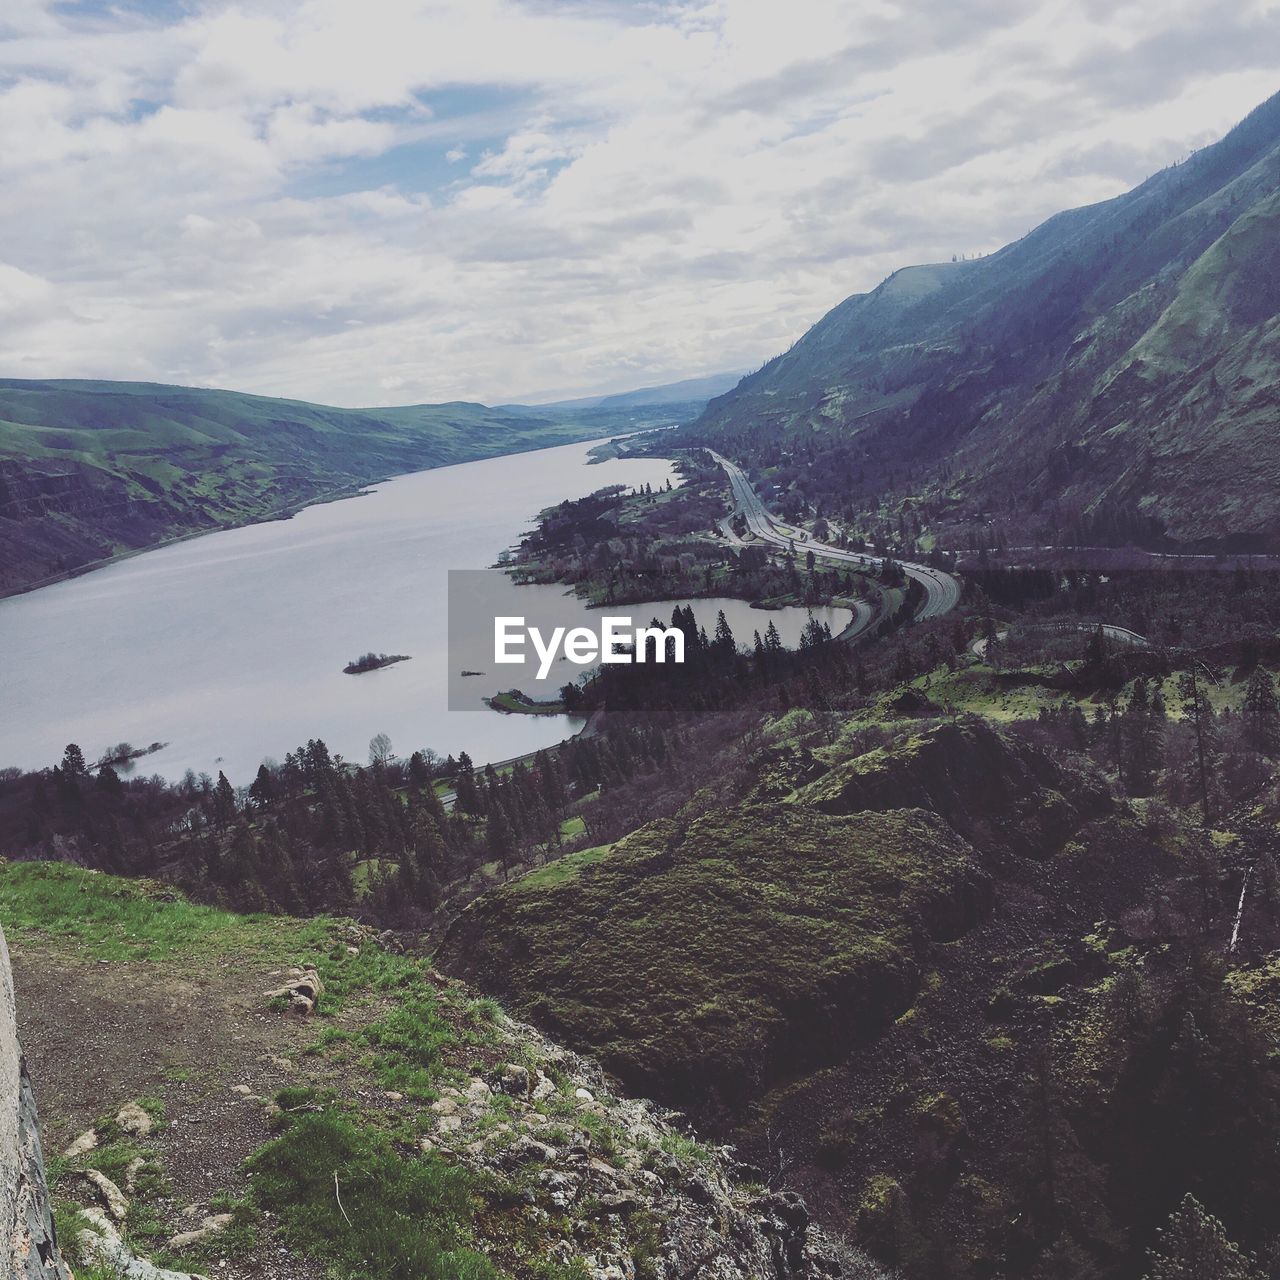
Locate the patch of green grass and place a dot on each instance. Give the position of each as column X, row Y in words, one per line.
column 563, row 869
column 407, row 1043
column 108, row 918
column 575, row 1270
column 69, row 1221
column 347, row 1195
column 684, row 1149
column 371, row 969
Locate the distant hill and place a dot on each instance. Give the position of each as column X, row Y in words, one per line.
column 689, row 391
column 91, row 469
column 1113, row 375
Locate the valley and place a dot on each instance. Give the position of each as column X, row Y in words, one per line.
column 90, row 471
column 923, row 923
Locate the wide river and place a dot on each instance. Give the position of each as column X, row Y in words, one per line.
column 229, row 648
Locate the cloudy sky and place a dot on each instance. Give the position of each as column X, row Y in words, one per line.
column 395, row 201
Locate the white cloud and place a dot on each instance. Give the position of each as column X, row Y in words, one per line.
column 272, row 196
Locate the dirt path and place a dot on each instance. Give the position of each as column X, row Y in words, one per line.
column 99, row 1034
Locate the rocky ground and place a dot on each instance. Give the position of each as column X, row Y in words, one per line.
column 156, row 1081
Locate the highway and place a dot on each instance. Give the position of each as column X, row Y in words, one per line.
column 941, row 590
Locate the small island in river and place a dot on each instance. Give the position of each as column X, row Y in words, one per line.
column 373, row 662
column 516, row 702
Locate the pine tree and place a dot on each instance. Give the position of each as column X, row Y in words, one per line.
column 724, row 635
column 498, row 838
column 108, row 783
column 1261, row 713
column 1194, row 1246
column 1199, row 715
column 419, row 774
column 1142, row 742
column 263, row 789
column 224, row 801
column 468, row 794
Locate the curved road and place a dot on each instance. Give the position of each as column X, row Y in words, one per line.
column 941, row 590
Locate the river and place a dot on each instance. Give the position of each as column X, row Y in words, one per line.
column 229, row 648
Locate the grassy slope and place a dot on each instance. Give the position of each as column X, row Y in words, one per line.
column 127, row 991
column 90, row 469
column 378, row 1140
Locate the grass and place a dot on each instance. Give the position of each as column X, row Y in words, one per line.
column 406, row 1217
column 106, row 918
column 351, row 1197
column 563, row 869
column 571, row 828
column 101, row 917
column 406, row 1045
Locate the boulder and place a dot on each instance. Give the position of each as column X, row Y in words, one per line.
column 302, row 991
column 210, row 1225
column 115, row 1200
column 134, row 1120
column 101, row 1244
column 85, row 1143
column 514, row 1080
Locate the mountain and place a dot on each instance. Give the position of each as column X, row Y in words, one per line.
column 92, row 469
column 689, row 391
column 1114, row 375
column 673, row 392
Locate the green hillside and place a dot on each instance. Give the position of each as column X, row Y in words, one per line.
column 92, row 469
column 1112, row 376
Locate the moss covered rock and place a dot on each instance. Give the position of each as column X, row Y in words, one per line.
column 992, row 788
column 705, row 964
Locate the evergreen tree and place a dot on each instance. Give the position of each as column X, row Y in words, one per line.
column 263, row 789
column 419, row 774
column 498, row 838
column 1199, row 715
column 464, row 786
column 224, row 801
column 1141, row 739
column 108, row 783
column 1261, row 713
column 1194, row 1246
column 725, row 642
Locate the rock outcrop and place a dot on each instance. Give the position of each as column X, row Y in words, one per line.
column 622, row 1176
column 705, row 962
column 992, row 789
column 302, row 991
